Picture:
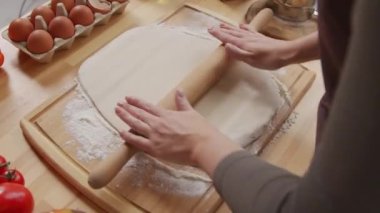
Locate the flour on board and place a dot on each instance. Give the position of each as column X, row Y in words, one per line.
column 94, row 138
column 145, row 171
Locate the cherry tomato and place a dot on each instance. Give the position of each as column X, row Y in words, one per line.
column 1, row 58
column 12, row 176
column 15, row 198
column 3, row 162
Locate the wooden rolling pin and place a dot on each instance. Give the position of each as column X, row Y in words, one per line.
column 195, row 85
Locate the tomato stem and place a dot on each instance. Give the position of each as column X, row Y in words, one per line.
column 10, row 175
column 6, row 165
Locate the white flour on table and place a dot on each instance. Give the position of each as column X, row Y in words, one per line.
column 96, row 139
column 146, row 171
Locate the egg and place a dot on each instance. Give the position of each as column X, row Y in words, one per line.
column 39, row 41
column 120, row 1
column 61, row 27
column 20, row 29
column 44, row 11
column 99, row 6
column 69, row 4
column 81, row 15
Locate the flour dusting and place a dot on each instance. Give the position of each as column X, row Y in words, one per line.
column 284, row 129
column 94, row 139
column 149, row 172
column 286, row 126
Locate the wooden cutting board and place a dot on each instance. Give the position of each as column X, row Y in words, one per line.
column 45, row 131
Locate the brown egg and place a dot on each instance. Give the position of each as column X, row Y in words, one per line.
column 39, row 41
column 61, row 27
column 20, row 29
column 120, row 1
column 44, row 11
column 69, row 4
column 81, row 15
column 99, row 6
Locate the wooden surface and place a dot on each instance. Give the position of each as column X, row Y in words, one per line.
column 25, row 84
column 195, row 69
column 46, row 132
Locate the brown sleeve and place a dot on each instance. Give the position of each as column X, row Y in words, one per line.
column 345, row 173
column 249, row 184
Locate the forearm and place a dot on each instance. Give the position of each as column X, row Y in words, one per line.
column 248, row 184
column 239, row 176
column 302, row 49
column 208, row 156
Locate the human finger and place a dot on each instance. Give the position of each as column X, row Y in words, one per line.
column 139, row 103
column 225, row 37
column 137, row 125
column 142, row 115
column 122, row 104
column 181, row 101
column 137, row 141
column 236, row 33
column 236, row 52
column 228, row 26
column 245, row 27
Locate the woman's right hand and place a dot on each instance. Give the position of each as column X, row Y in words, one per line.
column 181, row 136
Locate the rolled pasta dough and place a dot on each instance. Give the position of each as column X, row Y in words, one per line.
column 148, row 62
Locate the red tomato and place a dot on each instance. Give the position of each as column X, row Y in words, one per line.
column 3, row 162
column 15, row 198
column 13, row 176
column 1, row 60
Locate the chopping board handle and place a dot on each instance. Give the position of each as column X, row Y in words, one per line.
column 194, row 86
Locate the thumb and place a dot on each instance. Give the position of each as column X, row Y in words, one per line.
column 181, row 101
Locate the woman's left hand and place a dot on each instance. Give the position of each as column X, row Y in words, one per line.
column 253, row 47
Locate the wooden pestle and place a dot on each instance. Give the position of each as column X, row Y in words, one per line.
column 196, row 84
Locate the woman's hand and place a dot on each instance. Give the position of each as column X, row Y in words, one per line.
column 264, row 52
column 252, row 47
column 182, row 136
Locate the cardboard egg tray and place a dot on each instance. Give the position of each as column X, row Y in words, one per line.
column 80, row 31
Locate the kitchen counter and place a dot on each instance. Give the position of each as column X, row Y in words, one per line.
column 25, row 84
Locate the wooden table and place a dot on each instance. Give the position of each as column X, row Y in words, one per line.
column 24, row 84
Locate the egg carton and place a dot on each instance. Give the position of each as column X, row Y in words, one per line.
column 64, row 44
